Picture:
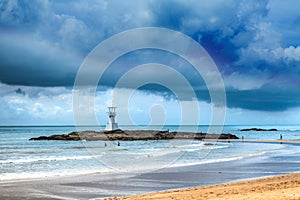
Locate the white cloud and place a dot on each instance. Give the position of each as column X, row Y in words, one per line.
column 38, row 105
column 246, row 82
column 289, row 54
column 54, row 106
column 292, row 53
column 266, row 40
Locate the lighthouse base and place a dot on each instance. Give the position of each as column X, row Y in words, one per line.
column 111, row 126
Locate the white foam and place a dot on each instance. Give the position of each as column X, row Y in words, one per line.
column 45, row 159
column 145, row 166
column 52, row 174
column 208, row 161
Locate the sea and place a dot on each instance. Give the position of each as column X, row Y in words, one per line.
column 23, row 159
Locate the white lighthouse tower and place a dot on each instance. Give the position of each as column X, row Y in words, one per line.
column 111, row 125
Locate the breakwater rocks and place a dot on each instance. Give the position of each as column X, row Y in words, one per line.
column 128, row 135
column 258, row 129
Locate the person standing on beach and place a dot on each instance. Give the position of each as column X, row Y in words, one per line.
column 280, row 138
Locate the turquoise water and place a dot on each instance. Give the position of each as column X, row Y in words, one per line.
column 21, row 158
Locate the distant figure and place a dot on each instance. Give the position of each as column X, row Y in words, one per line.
column 280, row 139
column 118, row 143
column 243, row 138
column 105, row 145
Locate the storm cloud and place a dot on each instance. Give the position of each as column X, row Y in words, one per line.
column 255, row 44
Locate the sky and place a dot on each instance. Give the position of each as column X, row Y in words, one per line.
column 254, row 44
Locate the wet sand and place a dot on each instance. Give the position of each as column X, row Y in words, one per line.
column 272, row 188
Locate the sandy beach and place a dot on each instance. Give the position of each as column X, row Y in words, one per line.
column 276, row 187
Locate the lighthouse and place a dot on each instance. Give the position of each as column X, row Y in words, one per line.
column 111, row 125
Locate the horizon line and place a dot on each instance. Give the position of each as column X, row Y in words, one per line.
column 69, row 125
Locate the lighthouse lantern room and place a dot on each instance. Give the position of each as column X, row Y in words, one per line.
column 111, row 125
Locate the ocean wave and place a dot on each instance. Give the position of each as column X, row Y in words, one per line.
column 219, row 160
column 84, row 147
column 177, row 150
column 291, row 130
column 47, row 174
column 144, row 166
column 147, row 162
column 47, row 159
column 213, row 145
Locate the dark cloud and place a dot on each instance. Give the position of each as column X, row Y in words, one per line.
column 266, row 99
column 254, row 43
column 20, row 91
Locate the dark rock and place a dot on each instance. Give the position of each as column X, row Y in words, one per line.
column 114, row 131
column 130, row 135
column 208, row 144
column 228, row 136
column 40, row 138
column 164, row 135
column 258, row 129
column 272, row 129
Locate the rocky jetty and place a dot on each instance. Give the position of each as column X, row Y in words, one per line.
column 128, row 135
column 258, row 129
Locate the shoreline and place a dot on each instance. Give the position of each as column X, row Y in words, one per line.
column 256, row 141
column 153, row 169
column 105, row 185
column 285, row 186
